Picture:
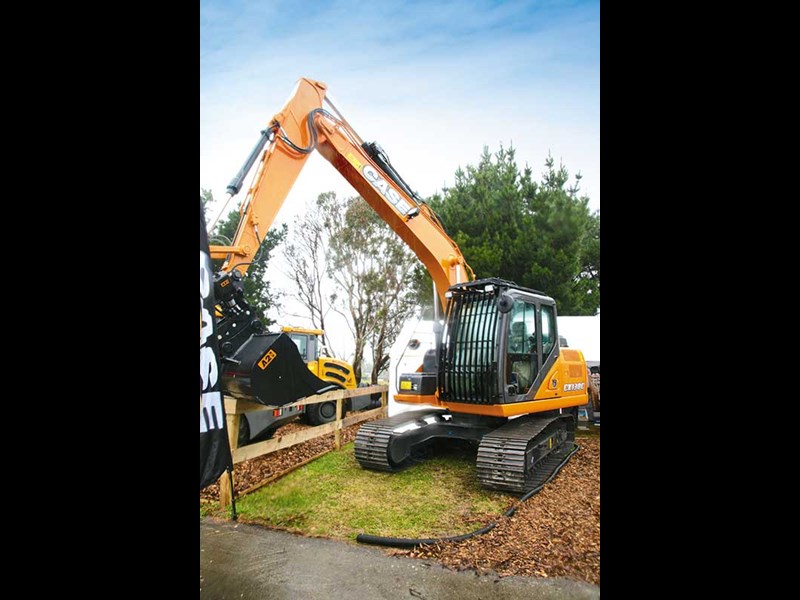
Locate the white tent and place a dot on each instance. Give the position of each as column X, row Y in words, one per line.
column 582, row 333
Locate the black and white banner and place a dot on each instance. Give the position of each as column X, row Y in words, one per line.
column 215, row 452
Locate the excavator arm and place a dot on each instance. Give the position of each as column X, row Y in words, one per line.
column 302, row 126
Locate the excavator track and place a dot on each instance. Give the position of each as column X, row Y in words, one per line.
column 523, row 453
column 378, row 442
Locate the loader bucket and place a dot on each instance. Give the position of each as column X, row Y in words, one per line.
column 269, row 370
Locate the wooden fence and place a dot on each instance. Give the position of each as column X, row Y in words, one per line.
column 234, row 408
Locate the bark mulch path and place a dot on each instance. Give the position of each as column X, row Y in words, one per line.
column 555, row 533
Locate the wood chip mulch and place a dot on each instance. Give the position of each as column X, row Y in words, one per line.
column 556, row 533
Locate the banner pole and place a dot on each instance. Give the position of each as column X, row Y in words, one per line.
column 233, row 495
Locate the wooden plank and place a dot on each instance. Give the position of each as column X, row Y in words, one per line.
column 286, row 441
column 361, row 416
column 281, row 442
column 327, row 396
column 232, row 421
column 277, row 476
column 337, row 433
column 226, row 480
column 236, row 406
column 224, row 490
column 346, row 422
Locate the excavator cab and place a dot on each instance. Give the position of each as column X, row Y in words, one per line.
column 499, row 342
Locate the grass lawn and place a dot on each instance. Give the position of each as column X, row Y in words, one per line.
column 334, row 497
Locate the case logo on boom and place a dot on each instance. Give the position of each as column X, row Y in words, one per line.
column 266, row 359
column 385, row 188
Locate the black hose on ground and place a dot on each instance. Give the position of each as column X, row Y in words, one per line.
column 376, row 540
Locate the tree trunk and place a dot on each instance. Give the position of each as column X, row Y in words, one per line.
column 377, row 367
column 358, row 358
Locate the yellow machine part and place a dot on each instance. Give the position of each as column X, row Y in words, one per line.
column 334, row 370
column 289, row 329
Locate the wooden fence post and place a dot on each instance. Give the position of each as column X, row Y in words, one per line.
column 225, row 481
column 337, row 434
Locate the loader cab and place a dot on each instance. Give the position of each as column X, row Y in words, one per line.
column 306, row 340
column 306, row 345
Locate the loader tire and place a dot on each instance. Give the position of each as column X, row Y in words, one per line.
column 324, row 412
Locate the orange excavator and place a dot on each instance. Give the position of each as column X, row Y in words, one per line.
column 498, row 376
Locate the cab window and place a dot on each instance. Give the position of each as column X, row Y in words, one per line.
column 301, row 342
column 548, row 331
column 521, row 360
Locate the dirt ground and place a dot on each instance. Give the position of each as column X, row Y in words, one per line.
column 556, row 533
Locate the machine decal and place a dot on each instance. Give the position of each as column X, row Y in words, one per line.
column 387, row 191
column 266, row 359
column 572, row 387
column 354, row 161
column 213, row 413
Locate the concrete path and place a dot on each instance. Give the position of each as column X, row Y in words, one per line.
column 240, row 561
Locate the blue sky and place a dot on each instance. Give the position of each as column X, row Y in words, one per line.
column 431, row 82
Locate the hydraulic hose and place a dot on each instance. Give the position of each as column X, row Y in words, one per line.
column 376, row 540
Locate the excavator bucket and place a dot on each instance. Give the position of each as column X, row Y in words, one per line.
column 269, row 370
